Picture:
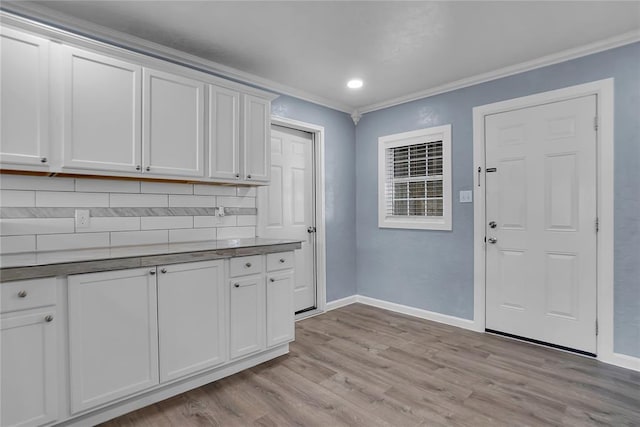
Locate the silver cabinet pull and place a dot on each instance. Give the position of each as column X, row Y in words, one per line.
column 236, row 285
column 281, row 260
column 249, row 176
column 492, row 240
column 272, row 280
column 311, row 229
column 248, row 265
column 43, row 160
column 163, row 270
column 237, row 176
column 48, row 318
column 22, row 294
column 148, row 168
column 138, row 167
column 152, row 272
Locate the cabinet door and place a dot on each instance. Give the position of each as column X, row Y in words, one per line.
column 29, row 369
column 24, row 113
column 224, row 129
column 173, row 125
column 191, row 318
column 113, row 335
column 256, row 139
column 246, row 316
column 280, row 311
column 102, row 112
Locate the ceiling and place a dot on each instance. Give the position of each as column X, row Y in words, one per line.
column 398, row 48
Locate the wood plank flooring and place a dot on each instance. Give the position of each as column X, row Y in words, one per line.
column 363, row 366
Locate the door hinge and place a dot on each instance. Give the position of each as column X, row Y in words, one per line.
column 595, row 123
column 597, row 225
column 597, row 329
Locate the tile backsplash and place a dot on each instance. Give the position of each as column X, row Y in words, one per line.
column 38, row 213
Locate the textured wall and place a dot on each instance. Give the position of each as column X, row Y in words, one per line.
column 340, row 194
column 433, row 270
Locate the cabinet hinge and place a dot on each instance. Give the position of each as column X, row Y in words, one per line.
column 597, row 225
column 595, row 123
column 597, row 330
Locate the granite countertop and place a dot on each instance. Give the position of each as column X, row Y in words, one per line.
column 30, row 265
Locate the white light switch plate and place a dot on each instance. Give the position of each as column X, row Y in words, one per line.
column 82, row 218
column 466, row 196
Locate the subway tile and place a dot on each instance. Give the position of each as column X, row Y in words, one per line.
column 97, row 224
column 19, row 226
column 214, row 221
column 15, row 244
column 192, row 201
column 249, row 220
column 107, row 185
column 166, row 222
column 236, row 232
column 246, row 192
column 166, row 188
column 17, row 198
column 69, row 199
column 44, row 183
column 214, row 190
column 237, row 202
column 129, row 238
column 56, row 242
column 138, row 200
column 192, row 235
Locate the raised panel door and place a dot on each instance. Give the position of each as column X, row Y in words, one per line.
column 102, row 112
column 173, row 125
column 191, row 318
column 246, row 316
column 24, row 111
column 224, row 133
column 256, row 139
column 113, row 335
column 280, row 317
column 29, row 369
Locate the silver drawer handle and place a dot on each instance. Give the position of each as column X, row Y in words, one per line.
column 163, row 270
column 43, row 160
column 237, row 285
column 281, row 260
column 272, row 280
column 152, row 272
column 248, row 265
column 22, row 294
column 48, row 318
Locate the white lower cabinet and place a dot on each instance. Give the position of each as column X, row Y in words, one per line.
column 280, row 311
column 113, row 335
column 29, row 368
column 247, row 315
column 191, row 318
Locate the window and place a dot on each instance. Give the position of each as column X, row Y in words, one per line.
column 414, row 179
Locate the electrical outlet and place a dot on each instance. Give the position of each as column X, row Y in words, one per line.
column 466, row 196
column 82, row 218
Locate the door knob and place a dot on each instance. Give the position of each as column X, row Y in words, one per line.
column 493, row 224
column 492, row 240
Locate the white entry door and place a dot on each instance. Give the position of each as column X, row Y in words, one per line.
column 541, row 223
column 286, row 208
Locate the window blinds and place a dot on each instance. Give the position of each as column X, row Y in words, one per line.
column 414, row 178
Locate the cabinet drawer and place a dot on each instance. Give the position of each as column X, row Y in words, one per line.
column 245, row 265
column 27, row 294
column 279, row 261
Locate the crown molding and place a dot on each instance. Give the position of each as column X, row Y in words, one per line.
column 48, row 19
column 555, row 58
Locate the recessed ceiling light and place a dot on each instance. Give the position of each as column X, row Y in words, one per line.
column 354, row 84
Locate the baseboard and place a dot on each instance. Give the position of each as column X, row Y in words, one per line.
column 622, row 360
column 332, row 305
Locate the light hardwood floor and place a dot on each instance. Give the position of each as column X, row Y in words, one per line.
column 363, row 366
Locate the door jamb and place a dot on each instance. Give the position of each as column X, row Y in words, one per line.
column 321, row 272
column 604, row 91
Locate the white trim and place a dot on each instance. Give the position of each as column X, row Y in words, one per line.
column 342, row 302
column 321, row 246
column 430, row 134
column 45, row 21
column 603, row 89
column 623, row 361
column 417, row 312
column 554, row 58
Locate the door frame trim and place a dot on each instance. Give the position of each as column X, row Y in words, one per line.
column 318, row 133
column 604, row 91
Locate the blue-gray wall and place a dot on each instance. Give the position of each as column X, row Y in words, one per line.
column 433, row 270
column 340, row 189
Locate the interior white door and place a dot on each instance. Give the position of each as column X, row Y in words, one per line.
column 541, row 223
column 286, row 206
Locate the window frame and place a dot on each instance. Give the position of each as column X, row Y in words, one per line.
column 432, row 134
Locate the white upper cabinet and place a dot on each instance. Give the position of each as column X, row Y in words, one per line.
column 224, row 133
column 173, row 133
column 24, row 113
column 256, row 139
column 102, row 112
